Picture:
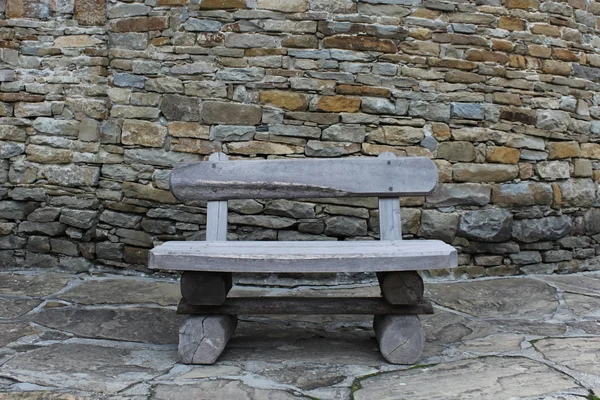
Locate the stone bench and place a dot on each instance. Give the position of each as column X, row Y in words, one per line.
column 208, row 266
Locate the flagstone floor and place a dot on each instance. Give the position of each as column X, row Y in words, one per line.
column 105, row 336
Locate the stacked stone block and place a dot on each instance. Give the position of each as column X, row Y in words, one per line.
column 98, row 101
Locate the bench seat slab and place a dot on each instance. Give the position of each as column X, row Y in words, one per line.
column 299, row 257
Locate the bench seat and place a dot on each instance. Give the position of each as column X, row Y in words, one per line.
column 310, row 256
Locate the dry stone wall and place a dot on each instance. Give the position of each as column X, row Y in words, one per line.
column 99, row 100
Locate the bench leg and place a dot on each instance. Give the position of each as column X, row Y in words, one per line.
column 401, row 287
column 400, row 338
column 205, row 288
column 202, row 338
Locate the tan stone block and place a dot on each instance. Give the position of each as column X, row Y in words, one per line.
column 596, row 176
column 360, row 43
column 590, row 150
column 440, row 131
column 222, row 4
column 578, row 4
column 511, row 24
column 285, row 6
column 376, row 149
column 502, row 45
column 503, row 155
column 260, row 52
column 536, row 50
column 160, row 41
column 90, row 12
column 292, row 101
column 357, row 90
column 162, row 3
column 444, row 170
column 262, row 148
column 556, row 67
column 523, row 4
column 565, row 55
column 139, row 24
column 556, row 196
column 557, row 150
column 517, row 61
column 420, row 33
column 76, row 41
column 451, row 63
column 486, row 56
column 418, row 47
column 15, row 8
column 507, row 98
column 426, row 13
column 189, row 129
column 526, row 171
column 546, row 30
column 338, row 104
column 456, row 151
column 48, row 155
column 197, row 146
column 300, row 41
column 397, row 135
column 147, row 192
column 143, row 133
column 484, row 172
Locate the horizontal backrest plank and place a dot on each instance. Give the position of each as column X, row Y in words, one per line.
column 337, row 177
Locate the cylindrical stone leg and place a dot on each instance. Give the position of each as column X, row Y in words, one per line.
column 205, row 288
column 401, row 287
column 400, row 338
column 202, row 338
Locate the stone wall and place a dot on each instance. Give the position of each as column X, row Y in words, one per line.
column 99, row 101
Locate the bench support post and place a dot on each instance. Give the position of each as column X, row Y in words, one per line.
column 203, row 338
column 401, row 338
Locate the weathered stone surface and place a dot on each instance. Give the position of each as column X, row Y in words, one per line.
column 502, row 377
column 38, row 366
column 578, row 192
column 90, row 12
column 345, row 226
column 143, row 325
column 552, row 120
column 72, row 175
column 32, row 285
column 438, row 225
column 360, row 43
column 456, row 151
column 338, row 104
column 143, row 133
column 468, row 194
column 229, row 113
column 139, row 24
column 486, row 225
column 397, row 135
column 548, row 228
column 147, row 192
column 288, row 100
column 14, row 308
column 484, row 172
column 482, row 298
column 580, row 354
column 180, row 108
column 522, row 194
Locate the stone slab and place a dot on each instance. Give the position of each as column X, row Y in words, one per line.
column 90, row 367
column 495, row 378
column 124, row 291
column 497, row 298
column 149, row 325
column 13, row 308
column 38, row 285
column 580, row 354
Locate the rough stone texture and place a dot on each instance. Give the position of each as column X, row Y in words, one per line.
column 485, row 328
column 99, row 100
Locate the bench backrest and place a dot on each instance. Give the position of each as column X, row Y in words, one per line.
column 284, row 179
column 387, row 177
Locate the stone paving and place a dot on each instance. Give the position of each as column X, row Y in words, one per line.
column 102, row 336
